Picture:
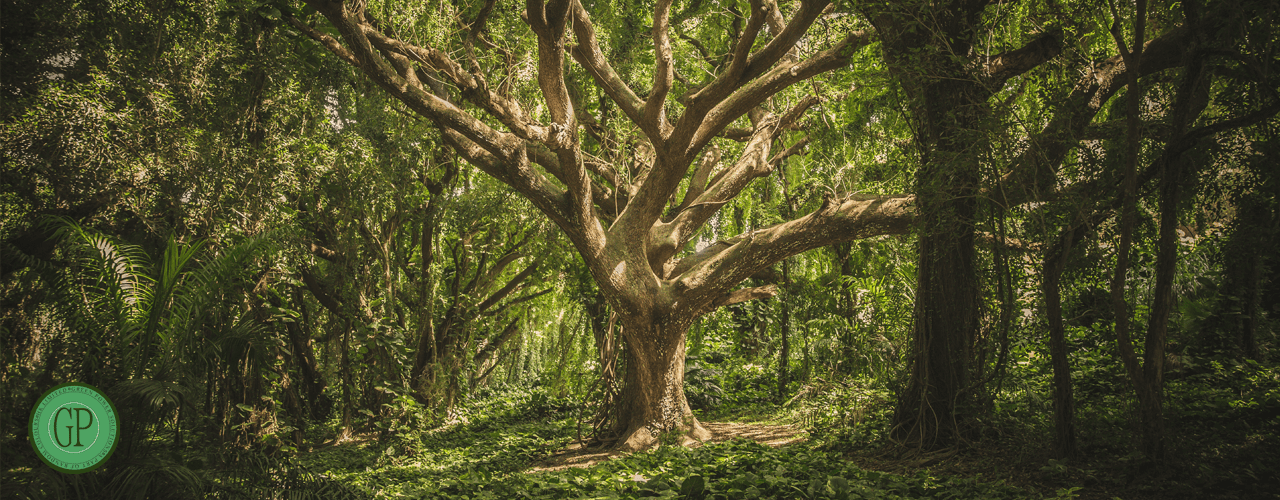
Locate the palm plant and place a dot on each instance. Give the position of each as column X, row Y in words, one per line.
column 151, row 332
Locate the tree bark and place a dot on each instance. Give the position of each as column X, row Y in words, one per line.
column 653, row 403
column 1244, row 273
column 304, row 354
column 632, row 241
column 426, row 251
column 1158, row 326
column 932, row 408
column 948, row 106
column 345, row 367
column 784, row 354
column 1064, row 406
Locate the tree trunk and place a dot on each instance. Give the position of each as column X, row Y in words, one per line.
column 305, row 357
column 1244, row 270
column 1251, row 310
column 653, row 403
column 948, row 107
column 346, row 380
column 1157, row 329
column 1064, row 406
column 486, row 353
column 784, row 358
column 932, row 409
column 929, row 413
column 426, row 252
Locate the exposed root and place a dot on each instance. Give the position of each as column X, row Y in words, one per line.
column 645, row 438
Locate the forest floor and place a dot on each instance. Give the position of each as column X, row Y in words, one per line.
column 521, row 444
column 580, row 455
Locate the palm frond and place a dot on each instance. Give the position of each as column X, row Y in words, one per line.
column 109, row 277
column 154, row 478
column 175, row 259
column 156, row 395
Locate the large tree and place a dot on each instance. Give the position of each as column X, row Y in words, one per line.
column 955, row 98
column 632, row 225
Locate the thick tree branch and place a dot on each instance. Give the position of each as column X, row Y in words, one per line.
column 1000, row 68
column 698, row 184
column 1035, row 171
column 739, row 134
column 782, row 43
column 434, row 108
column 668, row 238
column 473, row 88
column 516, row 301
column 325, row 253
column 792, row 116
column 549, row 21
column 795, row 149
column 603, row 197
column 706, row 275
column 665, row 239
column 1014, row 244
column 491, row 346
column 587, row 52
column 499, row 154
column 655, row 118
column 644, row 210
column 744, row 295
column 781, row 77
column 1189, row 139
column 325, row 40
column 319, row 291
column 746, row 67
column 511, row 286
column 549, row 198
column 483, row 282
column 716, row 91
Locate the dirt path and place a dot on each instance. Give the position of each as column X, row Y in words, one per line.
column 576, row 455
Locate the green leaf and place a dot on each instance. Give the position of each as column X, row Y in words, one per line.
column 693, row 486
column 839, row 485
column 269, row 12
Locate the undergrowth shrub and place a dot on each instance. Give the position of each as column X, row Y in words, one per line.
column 747, row 385
column 842, row 413
column 735, row 469
column 498, row 434
column 702, row 384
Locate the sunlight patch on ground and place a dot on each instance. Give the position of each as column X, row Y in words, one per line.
column 578, row 455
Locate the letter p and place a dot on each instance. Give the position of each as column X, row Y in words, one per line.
column 85, row 426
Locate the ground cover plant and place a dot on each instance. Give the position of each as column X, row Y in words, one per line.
column 494, row 451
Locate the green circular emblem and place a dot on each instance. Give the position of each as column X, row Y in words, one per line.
column 74, row 428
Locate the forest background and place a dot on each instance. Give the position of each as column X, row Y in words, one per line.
column 362, row 248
